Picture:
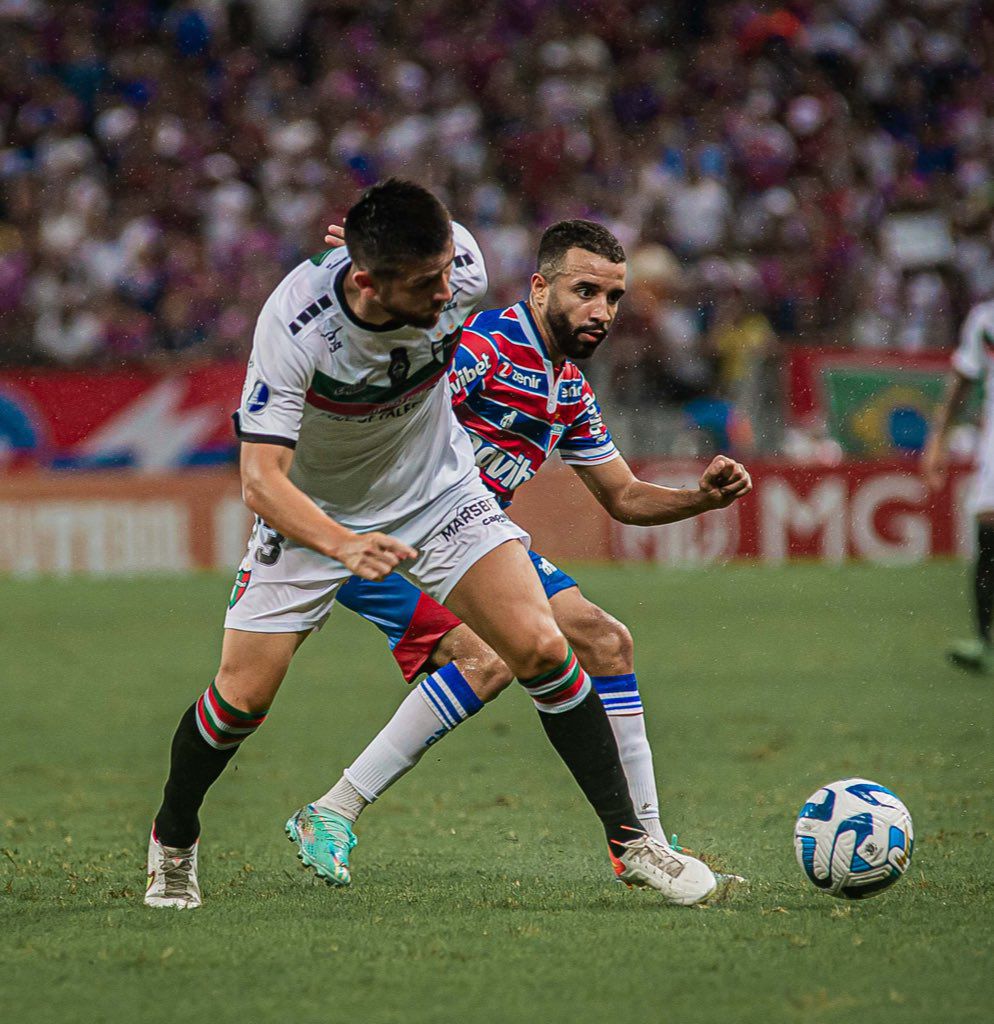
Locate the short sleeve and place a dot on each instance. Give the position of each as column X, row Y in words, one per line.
column 279, row 374
column 473, row 365
column 469, row 272
column 970, row 359
column 587, row 441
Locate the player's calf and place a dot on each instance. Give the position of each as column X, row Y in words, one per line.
column 208, row 734
column 602, row 643
column 480, row 665
column 437, row 705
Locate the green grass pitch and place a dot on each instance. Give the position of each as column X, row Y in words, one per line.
column 482, row 890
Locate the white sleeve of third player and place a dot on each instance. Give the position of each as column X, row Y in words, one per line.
column 469, row 272
column 279, row 373
column 970, row 359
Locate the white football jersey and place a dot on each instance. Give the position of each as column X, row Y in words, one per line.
column 366, row 408
column 974, row 357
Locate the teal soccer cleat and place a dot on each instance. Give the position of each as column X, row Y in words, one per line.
column 325, row 840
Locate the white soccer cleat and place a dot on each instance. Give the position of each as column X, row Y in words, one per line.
column 172, row 876
column 647, row 862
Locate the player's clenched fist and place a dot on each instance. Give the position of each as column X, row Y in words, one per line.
column 724, row 481
column 372, row 556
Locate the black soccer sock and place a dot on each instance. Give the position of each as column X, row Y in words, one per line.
column 583, row 738
column 983, row 580
column 206, row 739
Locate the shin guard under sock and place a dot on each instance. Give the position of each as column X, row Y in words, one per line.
column 205, row 741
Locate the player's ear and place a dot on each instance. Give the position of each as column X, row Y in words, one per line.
column 363, row 279
column 539, row 289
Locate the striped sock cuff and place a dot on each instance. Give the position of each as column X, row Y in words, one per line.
column 449, row 696
column 618, row 694
column 224, row 726
column 561, row 689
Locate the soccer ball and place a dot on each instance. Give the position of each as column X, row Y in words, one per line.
column 854, row 838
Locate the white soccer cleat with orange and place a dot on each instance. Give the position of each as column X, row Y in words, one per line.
column 645, row 861
column 172, row 876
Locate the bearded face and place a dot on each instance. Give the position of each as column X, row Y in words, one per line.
column 580, row 302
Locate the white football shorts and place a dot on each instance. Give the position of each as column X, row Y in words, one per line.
column 284, row 587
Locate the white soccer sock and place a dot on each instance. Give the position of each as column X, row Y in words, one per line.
column 623, row 705
column 431, row 711
column 344, row 799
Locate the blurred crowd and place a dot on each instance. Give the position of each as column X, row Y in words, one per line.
column 817, row 172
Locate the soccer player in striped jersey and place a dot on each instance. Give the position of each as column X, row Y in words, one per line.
column 354, row 464
column 519, row 394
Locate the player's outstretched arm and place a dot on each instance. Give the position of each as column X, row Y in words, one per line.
column 935, row 457
column 269, row 493
column 640, row 503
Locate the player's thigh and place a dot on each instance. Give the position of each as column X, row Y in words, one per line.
column 253, row 665
column 500, row 598
column 479, row 663
column 282, row 592
column 601, row 642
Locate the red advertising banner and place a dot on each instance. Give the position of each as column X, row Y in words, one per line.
column 871, row 511
column 111, row 522
column 136, row 417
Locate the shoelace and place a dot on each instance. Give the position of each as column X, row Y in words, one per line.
column 656, row 854
column 176, row 872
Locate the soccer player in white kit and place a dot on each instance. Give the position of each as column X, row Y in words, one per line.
column 354, row 463
column 972, row 360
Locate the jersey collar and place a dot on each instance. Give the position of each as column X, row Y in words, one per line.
column 534, row 336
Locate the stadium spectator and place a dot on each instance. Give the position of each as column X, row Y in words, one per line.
column 162, row 164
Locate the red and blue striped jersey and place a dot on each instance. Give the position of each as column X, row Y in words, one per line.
column 516, row 407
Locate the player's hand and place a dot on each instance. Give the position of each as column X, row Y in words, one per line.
column 934, row 464
column 335, row 236
column 724, row 481
column 372, row 556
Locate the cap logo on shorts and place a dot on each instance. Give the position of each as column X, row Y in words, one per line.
column 258, row 397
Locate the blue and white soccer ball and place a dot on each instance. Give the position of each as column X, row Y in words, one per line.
column 854, row 838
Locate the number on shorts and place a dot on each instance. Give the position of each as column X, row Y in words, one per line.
column 270, row 545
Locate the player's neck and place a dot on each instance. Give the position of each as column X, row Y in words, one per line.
column 367, row 310
column 555, row 356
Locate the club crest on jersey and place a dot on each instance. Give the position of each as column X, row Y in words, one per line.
column 443, row 347
column 258, row 397
column 400, row 366
column 242, row 579
column 556, row 431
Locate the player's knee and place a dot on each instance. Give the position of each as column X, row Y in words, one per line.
column 603, row 644
column 546, row 650
column 245, row 690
